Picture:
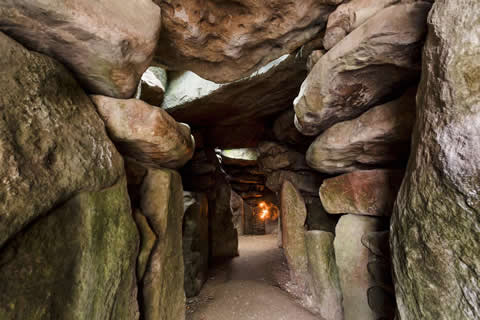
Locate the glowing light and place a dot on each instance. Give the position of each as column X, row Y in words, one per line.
column 264, row 214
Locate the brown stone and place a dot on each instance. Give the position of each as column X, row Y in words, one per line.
column 305, row 181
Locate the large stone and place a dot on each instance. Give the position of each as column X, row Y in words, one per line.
column 352, row 259
column 243, row 157
column 107, row 44
column 199, row 102
column 77, row 262
column 146, row 133
column 285, row 131
column 163, row 295
column 293, row 216
column 305, row 181
column 226, row 41
column 349, row 16
column 435, row 227
column 52, row 142
column 274, row 156
column 147, row 242
column 371, row 63
column 317, row 217
column 367, row 192
column 378, row 137
column 195, row 242
column 323, row 270
column 237, row 205
column 153, row 86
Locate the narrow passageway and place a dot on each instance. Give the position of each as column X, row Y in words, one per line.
column 248, row 287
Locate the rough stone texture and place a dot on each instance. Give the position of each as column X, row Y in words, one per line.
column 153, row 86
column 349, row 16
column 305, row 181
column 226, row 41
column 367, row 192
column 195, row 242
column 237, row 205
column 199, row 102
column 435, row 238
column 372, row 62
column 293, row 215
column 52, row 142
column 147, row 242
column 243, row 157
column 107, row 44
column 274, row 156
column 163, row 295
column 146, row 133
column 352, row 261
column 317, row 217
column 77, row 262
column 323, row 270
column 378, row 137
column 285, row 131
column 313, row 58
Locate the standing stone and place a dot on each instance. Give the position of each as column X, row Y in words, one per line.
column 305, row 181
column 374, row 61
column 147, row 242
column 163, row 294
column 52, row 142
column 352, row 260
column 107, row 44
column 367, row 192
column 237, row 205
column 435, row 227
column 293, row 215
column 323, row 270
column 77, row 262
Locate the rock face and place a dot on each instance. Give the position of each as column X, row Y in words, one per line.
column 378, row 137
column 199, row 102
column 108, row 45
column 293, row 215
column 305, row 181
column 352, row 260
column 285, row 131
column 226, row 41
column 349, row 16
column 322, row 268
column 47, row 156
column 163, row 294
column 274, row 156
column 372, row 62
column 195, row 243
column 147, row 242
column 368, row 192
column 153, row 86
column 82, row 256
column 435, row 238
column 145, row 133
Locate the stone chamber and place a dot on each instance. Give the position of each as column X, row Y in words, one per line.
column 217, row 160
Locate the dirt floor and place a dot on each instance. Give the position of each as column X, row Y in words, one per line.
column 248, row 287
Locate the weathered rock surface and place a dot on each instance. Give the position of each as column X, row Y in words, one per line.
column 243, row 157
column 108, row 45
column 77, row 262
column 372, row 62
column 349, row 16
column 195, row 242
column 237, row 205
column 378, row 137
column 226, row 41
column 317, row 216
column 367, row 192
column 146, row 133
column 323, row 270
column 274, row 156
column 352, row 261
column 285, row 131
column 147, row 242
column 199, row 102
column 52, row 142
column 246, row 134
column 163, row 293
column 435, row 239
column 305, row 181
column 293, row 215
column 153, row 85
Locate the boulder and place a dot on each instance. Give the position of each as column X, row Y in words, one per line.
column 274, row 156
column 146, row 133
column 435, row 238
column 76, row 262
column 305, row 181
column 366, row 192
column 313, row 58
column 195, row 242
column 349, row 16
column 163, row 295
column 200, row 102
column 378, row 137
column 153, row 85
column 227, row 41
column 236, row 203
column 352, row 259
column 317, row 217
column 293, row 216
column 52, row 142
column 147, row 242
column 371, row 63
column 108, row 45
column 324, row 273
column 285, row 131
column 243, row 157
